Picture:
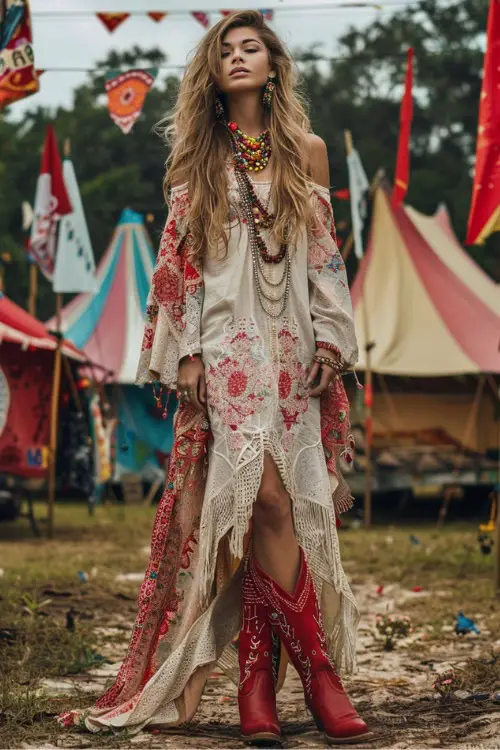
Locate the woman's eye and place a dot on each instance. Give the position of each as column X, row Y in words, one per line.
column 225, row 54
column 251, row 50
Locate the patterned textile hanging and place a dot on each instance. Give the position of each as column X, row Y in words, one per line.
column 18, row 77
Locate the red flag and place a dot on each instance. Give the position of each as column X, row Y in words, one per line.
column 226, row 12
column 51, row 202
column 157, row 17
column 268, row 13
column 402, row 176
column 112, row 20
column 343, row 194
column 201, row 17
column 484, row 217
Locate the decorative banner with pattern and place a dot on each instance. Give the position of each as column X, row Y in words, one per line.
column 51, row 203
column 18, row 77
column 112, row 20
column 126, row 94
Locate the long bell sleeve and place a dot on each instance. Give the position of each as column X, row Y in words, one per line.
column 175, row 300
column 330, row 300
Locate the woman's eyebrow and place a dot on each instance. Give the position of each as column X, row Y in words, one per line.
column 245, row 41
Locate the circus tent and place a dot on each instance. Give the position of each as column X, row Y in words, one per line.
column 108, row 326
column 431, row 310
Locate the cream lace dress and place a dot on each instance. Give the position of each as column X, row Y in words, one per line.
column 256, row 369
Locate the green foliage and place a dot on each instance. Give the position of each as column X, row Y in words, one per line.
column 361, row 93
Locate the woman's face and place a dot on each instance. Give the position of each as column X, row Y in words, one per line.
column 245, row 61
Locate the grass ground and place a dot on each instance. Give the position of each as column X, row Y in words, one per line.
column 54, row 625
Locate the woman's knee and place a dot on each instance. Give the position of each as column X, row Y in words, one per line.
column 272, row 508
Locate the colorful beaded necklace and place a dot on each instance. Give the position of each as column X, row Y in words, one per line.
column 251, row 153
column 273, row 294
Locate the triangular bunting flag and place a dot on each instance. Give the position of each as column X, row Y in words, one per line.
column 51, row 203
column 75, row 265
column 157, row 17
column 126, row 94
column 226, row 12
column 201, row 17
column 18, row 77
column 268, row 13
column 112, row 20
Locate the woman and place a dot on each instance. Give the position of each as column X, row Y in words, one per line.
column 251, row 322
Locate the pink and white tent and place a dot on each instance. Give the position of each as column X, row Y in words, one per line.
column 431, row 310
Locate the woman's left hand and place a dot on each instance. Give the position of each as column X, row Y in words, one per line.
column 327, row 373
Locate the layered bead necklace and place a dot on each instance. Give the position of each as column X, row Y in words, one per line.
column 273, row 295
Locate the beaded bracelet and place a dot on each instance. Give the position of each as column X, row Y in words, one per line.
column 335, row 364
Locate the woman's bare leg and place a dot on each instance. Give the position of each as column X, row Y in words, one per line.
column 274, row 542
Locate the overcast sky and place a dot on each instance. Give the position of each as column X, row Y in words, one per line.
column 79, row 42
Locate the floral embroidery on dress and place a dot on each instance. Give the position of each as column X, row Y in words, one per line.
column 239, row 380
column 292, row 393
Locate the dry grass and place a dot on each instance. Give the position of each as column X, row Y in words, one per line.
column 40, row 585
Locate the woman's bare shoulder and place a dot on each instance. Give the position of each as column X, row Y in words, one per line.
column 317, row 160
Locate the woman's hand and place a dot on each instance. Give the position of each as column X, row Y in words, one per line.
column 191, row 385
column 327, row 373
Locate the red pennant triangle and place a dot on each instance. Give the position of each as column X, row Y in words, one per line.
column 112, row 20
column 201, row 17
column 226, row 12
column 157, row 17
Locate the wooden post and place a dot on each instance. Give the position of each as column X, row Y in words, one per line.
column 33, row 289
column 54, row 420
column 367, row 505
column 497, row 522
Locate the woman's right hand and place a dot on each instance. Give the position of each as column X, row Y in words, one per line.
column 191, row 385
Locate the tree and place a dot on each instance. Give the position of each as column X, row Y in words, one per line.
column 360, row 92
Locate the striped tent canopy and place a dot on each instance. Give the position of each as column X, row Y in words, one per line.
column 109, row 325
column 430, row 310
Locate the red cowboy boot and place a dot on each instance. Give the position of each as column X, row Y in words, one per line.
column 297, row 619
column 256, row 691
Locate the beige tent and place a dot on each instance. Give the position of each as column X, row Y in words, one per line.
column 431, row 313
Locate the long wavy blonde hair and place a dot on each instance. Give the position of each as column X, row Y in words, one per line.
column 200, row 143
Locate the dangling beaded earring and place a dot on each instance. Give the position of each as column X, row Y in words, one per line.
column 219, row 109
column 267, row 98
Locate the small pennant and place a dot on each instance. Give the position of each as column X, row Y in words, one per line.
column 201, row 18
column 268, row 13
column 112, row 20
column 226, row 12
column 156, row 17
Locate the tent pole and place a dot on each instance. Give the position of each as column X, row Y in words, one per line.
column 54, row 421
column 33, row 289
column 368, row 378
column 496, row 490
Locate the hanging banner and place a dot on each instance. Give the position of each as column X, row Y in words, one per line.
column 201, row 18
column 126, row 94
column 156, row 17
column 484, row 217
column 112, row 20
column 226, row 12
column 402, row 175
column 358, row 191
column 18, row 77
column 51, row 203
column 75, row 265
column 25, row 388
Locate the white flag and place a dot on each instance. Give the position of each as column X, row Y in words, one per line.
column 358, row 188
column 75, row 265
